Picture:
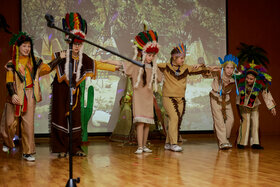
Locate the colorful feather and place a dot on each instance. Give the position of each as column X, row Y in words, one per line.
column 261, row 82
column 75, row 24
column 181, row 49
column 229, row 59
column 143, row 38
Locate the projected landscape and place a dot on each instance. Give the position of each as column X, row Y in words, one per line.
column 200, row 24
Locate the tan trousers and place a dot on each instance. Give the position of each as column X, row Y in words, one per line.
column 174, row 111
column 10, row 122
column 250, row 120
column 222, row 127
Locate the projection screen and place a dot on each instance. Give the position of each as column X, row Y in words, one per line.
column 200, row 24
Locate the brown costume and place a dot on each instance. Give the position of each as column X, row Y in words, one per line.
column 26, row 87
column 61, row 98
column 174, row 88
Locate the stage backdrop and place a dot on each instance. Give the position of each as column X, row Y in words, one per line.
column 200, row 24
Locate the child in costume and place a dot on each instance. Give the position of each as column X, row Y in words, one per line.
column 144, row 81
column 173, row 92
column 83, row 66
column 221, row 108
column 253, row 80
column 22, row 81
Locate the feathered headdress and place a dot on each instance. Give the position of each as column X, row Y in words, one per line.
column 228, row 59
column 181, row 50
column 262, row 81
column 146, row 42
column 15, row 42
column 74, row 23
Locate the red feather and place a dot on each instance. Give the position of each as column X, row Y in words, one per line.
column 151, row 49
column 79, row 41
column 139, row 41
column 67, row 20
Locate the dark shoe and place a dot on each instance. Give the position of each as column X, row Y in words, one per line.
column 256, row 146
column 239, row 146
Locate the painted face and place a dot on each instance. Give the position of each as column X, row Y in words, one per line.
column 229, row 69
column 25, row 48
column 250, row 79
column 77, row 47
column 149, row 57
column 179, row 61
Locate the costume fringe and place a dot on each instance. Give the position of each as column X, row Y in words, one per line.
column 154, row 76
column 143, row 120
column 50, row 118
column 75, row 31
column 80, row 63
column 180, row 116
column 135, row 52
column 140, row 72
column 66, row 67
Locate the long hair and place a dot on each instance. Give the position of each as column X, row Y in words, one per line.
column 144, row 75
column 140, row 56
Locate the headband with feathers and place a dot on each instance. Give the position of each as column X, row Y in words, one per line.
column 232, row 60
column 262, row 81
column 146, row 42
column 74, row 23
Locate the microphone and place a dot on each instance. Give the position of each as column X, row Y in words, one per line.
column 50, row 20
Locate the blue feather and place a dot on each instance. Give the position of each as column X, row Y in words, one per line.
column 221, row 60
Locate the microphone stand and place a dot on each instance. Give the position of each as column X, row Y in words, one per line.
column 71, row 182
column 50, row 22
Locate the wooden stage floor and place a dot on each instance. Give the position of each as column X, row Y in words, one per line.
column 112, row 164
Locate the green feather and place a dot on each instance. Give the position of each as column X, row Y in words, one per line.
column 15, row 37
column 71, row 21
column 83, row 25
column 238, row 77
column 143, row 37
column 258, row 86
column 255, row 93
column 241, row 84
column 156, row 35
column 150, row 38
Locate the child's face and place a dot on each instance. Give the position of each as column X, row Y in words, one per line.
column 77, row 47
column 149, row 57
column 179, row 61
column 229, row 69
column 250, row 79
column 24, row 49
